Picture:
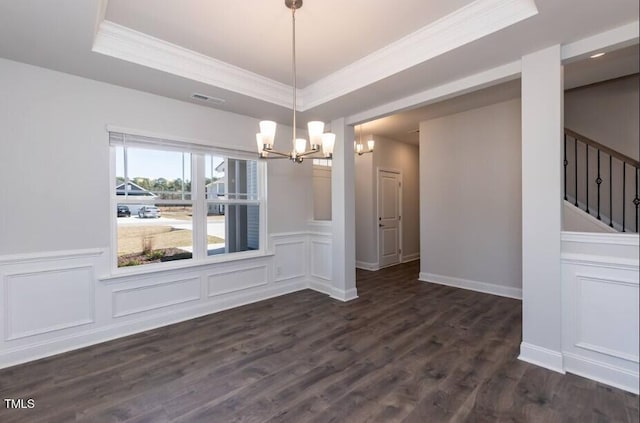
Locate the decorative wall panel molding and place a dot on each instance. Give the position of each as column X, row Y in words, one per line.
column 290, row 258
column 47, row 300
column 53, row 301
column 600, row 297
column 154, row 296
column 320, row 257
column 236, row 279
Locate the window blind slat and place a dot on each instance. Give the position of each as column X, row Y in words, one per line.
column 141, row 141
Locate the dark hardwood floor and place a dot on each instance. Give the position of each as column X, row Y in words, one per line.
column 405, row 351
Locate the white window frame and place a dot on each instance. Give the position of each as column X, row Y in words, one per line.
column 198, row 202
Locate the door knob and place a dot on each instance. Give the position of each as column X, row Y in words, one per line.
column 380, row 225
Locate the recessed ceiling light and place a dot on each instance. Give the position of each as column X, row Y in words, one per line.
column 595, row 56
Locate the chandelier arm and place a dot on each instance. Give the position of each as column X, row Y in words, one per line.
column 278, row 153
column 306, row 153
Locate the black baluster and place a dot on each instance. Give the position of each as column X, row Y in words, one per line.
column 586, row 180
column 566, row 162
column 624, row 191
column 575, row 161
column 610, row 192
column 598, row 181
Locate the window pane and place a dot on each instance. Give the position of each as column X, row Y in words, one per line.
column 232, row 228
column 154, row 174
column 231, row 179
column 214, row 177
column 153, row 234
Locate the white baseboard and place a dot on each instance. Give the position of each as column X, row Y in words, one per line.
column 344, row 296
column 372, row 267
column 320, row 286
column 35, row 351
column 337, row 294
column 410, row 257
column 485, row 287
column 543, row 357
column 602, row 372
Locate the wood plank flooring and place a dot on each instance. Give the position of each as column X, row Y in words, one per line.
column 405, row 351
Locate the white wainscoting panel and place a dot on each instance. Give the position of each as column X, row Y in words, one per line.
column 58, row 301
column 290, row 258
column 145, row 298
column 320, row 257
column 236, row 279
column 601, row 316
column 47, row 300
column 594, row 299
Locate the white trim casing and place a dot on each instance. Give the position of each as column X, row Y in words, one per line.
column 612, row 39
column 133, row 46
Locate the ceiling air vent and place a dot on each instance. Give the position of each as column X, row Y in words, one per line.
column 212, row 100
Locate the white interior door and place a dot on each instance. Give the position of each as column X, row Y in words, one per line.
column 389, row 184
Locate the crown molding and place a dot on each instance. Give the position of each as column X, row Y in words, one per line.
column 490, row 77
column 612, row 39
column 467, row 24
column 133, row 46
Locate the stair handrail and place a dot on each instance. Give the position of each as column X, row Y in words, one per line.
column 603, row 148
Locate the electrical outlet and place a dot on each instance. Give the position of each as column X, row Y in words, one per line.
column 279, row 271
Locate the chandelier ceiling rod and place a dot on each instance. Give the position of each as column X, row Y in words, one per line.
column 318, row 139
column 293, row 7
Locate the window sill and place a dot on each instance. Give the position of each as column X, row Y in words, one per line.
column 117, row 275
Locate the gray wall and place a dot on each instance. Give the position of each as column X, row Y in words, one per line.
column 470, row 195
column 54, row 155
column 607, row 113
column 388, row 154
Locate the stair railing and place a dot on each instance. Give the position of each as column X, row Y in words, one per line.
column 581, row 149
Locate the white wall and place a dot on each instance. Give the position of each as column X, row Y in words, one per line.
column 470, row 199
column 57, row 287
column 577, row 220
column 388, row 154
column 322, row 193
column 55, row 144
column 542, row 129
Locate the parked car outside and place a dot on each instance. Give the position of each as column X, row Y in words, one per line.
column 149, row 211
column 123, row 211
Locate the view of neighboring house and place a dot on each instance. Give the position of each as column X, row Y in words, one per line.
column 134, row 190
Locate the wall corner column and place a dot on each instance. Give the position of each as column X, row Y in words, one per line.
column 542, row 129
column 343, row 214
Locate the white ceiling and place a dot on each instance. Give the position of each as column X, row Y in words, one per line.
column 256, row 35
column 352, row 55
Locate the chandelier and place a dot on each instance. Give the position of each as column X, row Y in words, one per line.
column 358, row 146
column 317, row 138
